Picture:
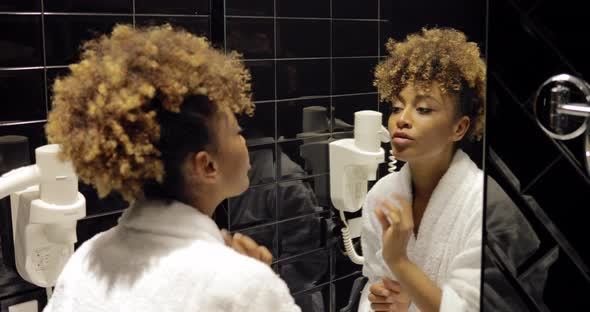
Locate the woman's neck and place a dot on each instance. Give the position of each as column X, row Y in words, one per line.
column 426, row 173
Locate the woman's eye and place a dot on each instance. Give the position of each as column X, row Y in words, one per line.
column 395, row 109
column 423, row 110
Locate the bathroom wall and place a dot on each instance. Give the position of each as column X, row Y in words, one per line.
column 537, row 255
column 311, row 63
column 312, row 58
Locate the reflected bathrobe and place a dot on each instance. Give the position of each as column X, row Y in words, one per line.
column 448, row 245
column 165, row 257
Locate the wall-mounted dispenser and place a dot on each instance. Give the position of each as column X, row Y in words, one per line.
column 562, row 109
column 354, row 162
column 45, row 205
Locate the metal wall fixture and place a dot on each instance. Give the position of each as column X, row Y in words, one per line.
column 562, row 109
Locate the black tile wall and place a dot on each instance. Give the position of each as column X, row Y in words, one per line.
column 528, row 42
column 355, row 38
column 312, row 66
column 197, row 25
column 298, row 38
column 250, row 8
column 87, row 6
column 254, row 38
column 303, row 8
column 21, row 43
column 200, row 7
column 299, row 78
column 23, row 95
column 64, row 34
column 367, row 9
column 20, row 6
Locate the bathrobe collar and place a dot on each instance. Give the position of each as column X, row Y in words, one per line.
column 174, row 219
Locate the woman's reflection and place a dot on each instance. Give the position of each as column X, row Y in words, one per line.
column 422, row 226
column 295, row 197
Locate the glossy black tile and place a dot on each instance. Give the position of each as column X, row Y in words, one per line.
column 355, row 38
column 342, row 290
column 559, row 25
column 35, row 133
column 303, row 118
column 263, row 79
column 302, row 235
column 562, row 273
column 264, row 164
column 254, row 207
column 509, row 126
column 221, row 215
column 21, row 41
column 87, row 228
column 302, row 197
column 353, row 75
column 294, row 162
column 303, row 8
column 464, row 15
column 385, row 9
column 249, row 8
column 346, row 106
column 89, row 6
column 303, row 38
column 23, row 93
column 64, row 34
column 305, row 272
column 315, row 299
column 196, row 7
column 303, row 78
column 20, row 6
column 195, row 25
column 519, row 53
column 562, row 186
column 263, row 235
column 260, row 128
column 254, row 38
column 367, row 9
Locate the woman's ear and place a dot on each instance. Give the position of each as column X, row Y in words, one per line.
column 205, row 168
column 461, row 128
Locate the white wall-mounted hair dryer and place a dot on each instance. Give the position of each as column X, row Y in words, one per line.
column 354, row 162
column 45, row 205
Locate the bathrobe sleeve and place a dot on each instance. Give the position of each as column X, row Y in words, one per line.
column 373, row 267
column 461, row 290
column 267, row 292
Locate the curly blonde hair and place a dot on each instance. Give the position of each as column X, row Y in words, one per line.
column 104, row 112
column 439, row 54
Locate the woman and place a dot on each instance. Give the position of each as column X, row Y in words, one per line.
column 150, row 113
column 422, row 226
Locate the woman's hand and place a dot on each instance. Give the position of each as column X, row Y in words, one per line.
column 387, row 295
column 397, row 234
column 247, row 246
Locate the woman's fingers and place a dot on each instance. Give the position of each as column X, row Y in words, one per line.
column 226, row 237
column 247, row 246
column 265, row 255
column 391, row 284
column 382, row 219
column 381, row 306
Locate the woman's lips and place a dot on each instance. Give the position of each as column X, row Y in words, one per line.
column 401, row 138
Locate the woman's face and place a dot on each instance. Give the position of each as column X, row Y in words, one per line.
column 423, row 125
column 232, row 156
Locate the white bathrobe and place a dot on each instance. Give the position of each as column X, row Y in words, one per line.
column 448, row 245
column 166, row 257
